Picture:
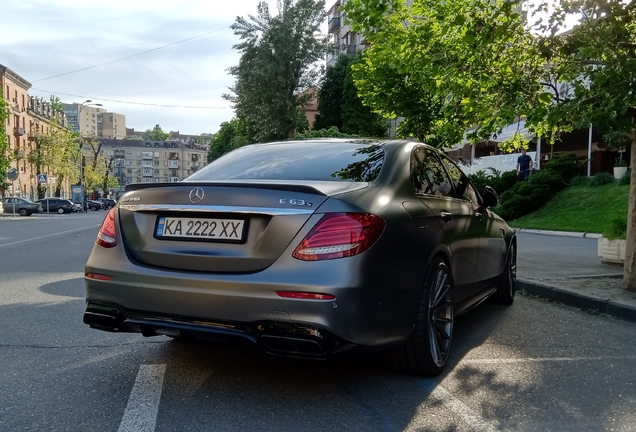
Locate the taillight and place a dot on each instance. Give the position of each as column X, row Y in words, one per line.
column 339, row 235
column 107, row 235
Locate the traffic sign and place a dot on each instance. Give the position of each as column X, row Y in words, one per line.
column 41, row 178
column 13, row 174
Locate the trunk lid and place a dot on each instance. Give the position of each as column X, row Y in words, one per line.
column 227, row 227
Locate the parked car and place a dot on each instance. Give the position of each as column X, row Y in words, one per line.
column 1, row 207
column 23, row 206
column 107, row 203
column 56, row 205
column 77, row 207
column 94, row 205
column 308, row 249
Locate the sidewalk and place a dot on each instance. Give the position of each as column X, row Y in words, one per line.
column 564, row 267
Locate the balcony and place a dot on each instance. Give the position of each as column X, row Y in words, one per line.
column 19, row 131
column 173, row 164
column 195, row 157
column 146, row 155
column 334, row 24
column 349, row 49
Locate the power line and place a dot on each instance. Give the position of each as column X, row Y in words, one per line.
column 134, row 103
column 133, row 55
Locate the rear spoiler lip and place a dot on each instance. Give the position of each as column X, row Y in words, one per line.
column 295, row 187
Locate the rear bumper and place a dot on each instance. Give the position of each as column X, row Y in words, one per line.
column 375, row 303
column 277, row 338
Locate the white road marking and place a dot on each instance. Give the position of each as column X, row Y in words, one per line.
column 470, row 417
column 49, row 235
column 543, row 359
column 143, row 403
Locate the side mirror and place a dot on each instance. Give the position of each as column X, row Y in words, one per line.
column 491, row 199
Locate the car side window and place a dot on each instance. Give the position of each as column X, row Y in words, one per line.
column 463, row 189
column 428, row 175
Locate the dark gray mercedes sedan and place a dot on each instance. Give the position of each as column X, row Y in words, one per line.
column 308, row 249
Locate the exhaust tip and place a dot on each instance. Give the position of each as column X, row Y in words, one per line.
column 292, row 346
column 99, row 320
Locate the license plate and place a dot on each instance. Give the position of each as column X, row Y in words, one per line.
column 200, row 228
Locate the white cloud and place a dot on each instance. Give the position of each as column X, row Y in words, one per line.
column 45, row 38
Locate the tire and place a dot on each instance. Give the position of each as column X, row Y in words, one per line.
column 507, row 287
column 60, row 210
column 23, row 212
column 428, row 349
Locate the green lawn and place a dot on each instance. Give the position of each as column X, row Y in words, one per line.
column 579, row 208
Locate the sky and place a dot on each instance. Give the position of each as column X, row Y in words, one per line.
column 132, row 56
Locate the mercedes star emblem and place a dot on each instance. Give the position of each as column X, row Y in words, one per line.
column 196, row 195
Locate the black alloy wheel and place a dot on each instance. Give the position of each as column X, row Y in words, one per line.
column 60, row 210
column 508, row 282
column 23, row 212
column 428, row 349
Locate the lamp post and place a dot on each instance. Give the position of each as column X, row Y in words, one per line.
column 86, row 103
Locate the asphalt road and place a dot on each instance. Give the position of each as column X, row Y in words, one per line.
column 533, row 366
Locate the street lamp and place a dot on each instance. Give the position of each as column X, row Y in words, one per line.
column 86, row 103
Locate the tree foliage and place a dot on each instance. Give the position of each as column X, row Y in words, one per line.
column 156, row 134
column 340, row 106
column 231, row 135
column 330, row 96
column 278, row 61
column 5, row 154
column 442, row 65
column 51, row 152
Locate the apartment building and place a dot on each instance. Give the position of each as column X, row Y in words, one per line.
column 204, row 138
column 90, row 120
column 28, row 117
column 140, row 161
column 113, row 126
column 344, row 40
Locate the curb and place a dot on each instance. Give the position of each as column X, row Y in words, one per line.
column 559, row 233
column 606, row 307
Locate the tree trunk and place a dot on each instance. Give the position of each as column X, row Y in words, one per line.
column 629, row 272
column 105, row 185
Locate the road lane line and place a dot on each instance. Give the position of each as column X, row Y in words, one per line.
column 470, row 417
column 49, row 235
column 543, row 359
column 143, row 404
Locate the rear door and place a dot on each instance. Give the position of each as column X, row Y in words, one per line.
column 454, row 216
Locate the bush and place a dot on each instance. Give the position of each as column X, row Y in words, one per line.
column 565, row 164
column 602, row 178
column 626, row 179
column 504, row 182
column 617, row 229
column 480, row 180
column 580, row 181
column 524, row 198
column 547, row 177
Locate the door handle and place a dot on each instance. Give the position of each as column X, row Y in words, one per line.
column 446, row 215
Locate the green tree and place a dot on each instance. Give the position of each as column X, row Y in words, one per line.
column 330, row 96
column 5, row 153
column 51, row 154
column 340, row 106
column 486, row 68
column 278, row 61
column 156, row 134
column 231, row 135
column 358, row 119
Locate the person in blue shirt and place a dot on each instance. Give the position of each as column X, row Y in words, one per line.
column 524, row 165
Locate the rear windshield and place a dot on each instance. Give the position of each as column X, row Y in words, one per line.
column 327, row 161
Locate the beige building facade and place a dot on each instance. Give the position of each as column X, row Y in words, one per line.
column 28, row 117
column 140, row 161
column 91, row 120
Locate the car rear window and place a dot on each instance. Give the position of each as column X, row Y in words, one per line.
column 327, row 161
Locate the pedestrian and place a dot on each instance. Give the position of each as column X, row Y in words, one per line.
column 524, row 165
